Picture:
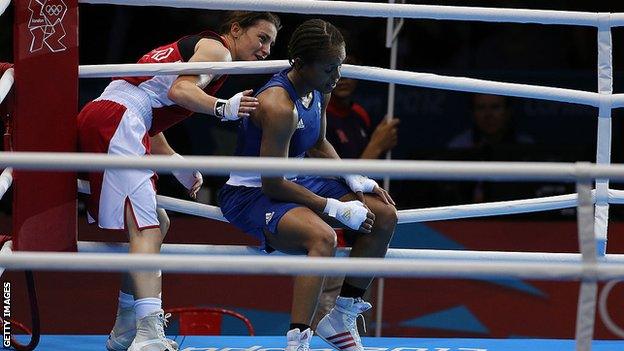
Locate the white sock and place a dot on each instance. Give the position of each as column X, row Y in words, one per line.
column 146, row 306
column 125, row 300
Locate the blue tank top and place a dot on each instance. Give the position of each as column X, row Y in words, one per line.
column 305, row 136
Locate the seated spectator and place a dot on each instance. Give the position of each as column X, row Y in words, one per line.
column 492, row 125
column 349, row 125
column 492, row 137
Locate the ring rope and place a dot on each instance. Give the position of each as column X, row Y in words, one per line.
column 281, row 265
column 6, row 179
column 489, row 209
column 368, row 9
column 377, row 74
column 6, row 82
column 616, row 196
column 3, row 5
column 271, row 166
column 143, row 69
column 7, row 249
column 404, row 216
column 429, row 254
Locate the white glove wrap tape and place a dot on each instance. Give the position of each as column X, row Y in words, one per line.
column 227, row 110
column 359, row 183
column 351, row 213
column 186, row 177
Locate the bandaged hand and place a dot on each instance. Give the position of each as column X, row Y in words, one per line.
column 353, row 214
column 192, row 180
column 359, row 183
column 238, row 106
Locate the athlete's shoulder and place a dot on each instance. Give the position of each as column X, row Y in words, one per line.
column 275, row 109
column 165, row 53
column 211, row 49
column 275, row 99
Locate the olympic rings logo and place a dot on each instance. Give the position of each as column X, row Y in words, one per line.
column 53, row 10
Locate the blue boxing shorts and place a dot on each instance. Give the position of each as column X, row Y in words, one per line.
column 250, row 210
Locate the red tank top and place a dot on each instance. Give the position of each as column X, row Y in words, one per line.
column 165, row 113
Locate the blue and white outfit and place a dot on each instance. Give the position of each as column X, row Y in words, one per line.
column 241, row 199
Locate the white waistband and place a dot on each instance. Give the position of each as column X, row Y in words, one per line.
column 131, row 96
column 255, row 179
column 251, row 180
column 245, row 179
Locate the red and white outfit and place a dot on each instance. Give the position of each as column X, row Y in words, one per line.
column 120, row 122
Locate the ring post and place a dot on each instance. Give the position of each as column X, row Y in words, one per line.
column 46, row 101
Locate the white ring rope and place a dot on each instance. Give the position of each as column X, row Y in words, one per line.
column 53, row 261
column 604, row 311
column 405, row 216
column 368, row 9
column 489, row 209
column 425, row 80
column 142, row 69
column 3, row 5
column 400, row 169
column 6, row 179
column 429, row 80
column 7, row 249
column 6, row 82
column 173, row 204
column 410, row 216
column 191, row 208
column 617, row 19
column 616, row 196
column 428, row 254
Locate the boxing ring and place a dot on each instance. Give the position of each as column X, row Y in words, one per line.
column 589, row 266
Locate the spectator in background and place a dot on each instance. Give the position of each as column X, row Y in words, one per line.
column 493, row 125
column 349, row 125
column 349, row 131
column 492, row 137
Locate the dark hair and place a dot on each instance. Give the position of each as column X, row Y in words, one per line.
column 246, row 19
column 473, row 103
column 312, row 40
column 352, row 60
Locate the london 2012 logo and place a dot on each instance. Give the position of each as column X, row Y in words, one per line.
column 46, row 25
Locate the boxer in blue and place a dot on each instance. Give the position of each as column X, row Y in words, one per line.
column 295, row 214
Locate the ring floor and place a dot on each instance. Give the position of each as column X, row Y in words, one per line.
column 277, row 343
